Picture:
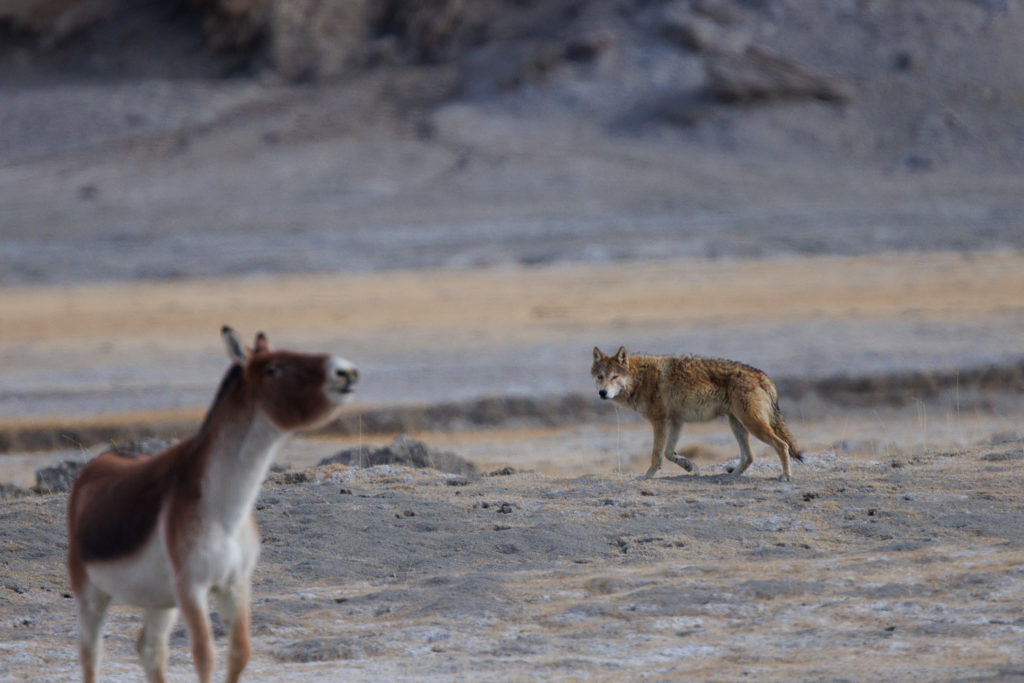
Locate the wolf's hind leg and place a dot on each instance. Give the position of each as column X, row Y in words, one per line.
column 765, row 433
column 743, row 438
column 756, row 418
column 682, row 461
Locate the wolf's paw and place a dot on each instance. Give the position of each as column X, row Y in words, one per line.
column 682, row 462
column 651, row 472
column 784, row 477
column 733, row 473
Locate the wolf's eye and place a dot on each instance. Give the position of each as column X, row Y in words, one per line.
column 613, row 378
column 600, row 378
column 273, row 370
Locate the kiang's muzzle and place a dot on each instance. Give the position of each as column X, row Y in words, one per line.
column 342, row 375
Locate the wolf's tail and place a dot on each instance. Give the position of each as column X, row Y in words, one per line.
column 779, row 425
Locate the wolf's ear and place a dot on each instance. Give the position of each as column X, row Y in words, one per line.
column 621, row 356
column 598, row 356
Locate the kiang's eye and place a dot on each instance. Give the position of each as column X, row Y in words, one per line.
column 273, row 370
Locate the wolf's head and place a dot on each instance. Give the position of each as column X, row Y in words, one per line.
column 611, row 374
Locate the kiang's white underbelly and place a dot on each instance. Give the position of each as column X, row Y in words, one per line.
column 143, row 579
column 146, row 578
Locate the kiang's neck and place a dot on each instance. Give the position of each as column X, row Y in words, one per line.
column 238, row 462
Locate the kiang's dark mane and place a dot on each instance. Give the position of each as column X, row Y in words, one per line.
column 231, row 378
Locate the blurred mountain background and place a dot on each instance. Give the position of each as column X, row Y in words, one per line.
column 145, row 138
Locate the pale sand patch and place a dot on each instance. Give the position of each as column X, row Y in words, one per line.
column 473, row 307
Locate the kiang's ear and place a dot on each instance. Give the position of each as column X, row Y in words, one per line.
column 261, row 345
column 598, row 356
column 621, row 356
column 236, row 352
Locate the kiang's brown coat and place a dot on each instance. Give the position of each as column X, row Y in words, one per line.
column 170, row 531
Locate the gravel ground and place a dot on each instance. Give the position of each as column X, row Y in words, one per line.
column 604, row 576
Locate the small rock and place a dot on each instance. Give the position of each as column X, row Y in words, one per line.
column 588, row 47
column 88, row 192
column 503, row 472
column 301, row 477
column 692, row 33
column 403, row 451
column 1015, row 454
column 323, row 650
column 11, row 491
column 57, row 478
column 904, row 60
column 603, row 585
column 757, row 74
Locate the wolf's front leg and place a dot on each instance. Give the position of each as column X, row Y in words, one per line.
column 674, row 427
column 660, row 437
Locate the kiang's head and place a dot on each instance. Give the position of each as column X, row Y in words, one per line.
column 295, row 390
column 611, row 374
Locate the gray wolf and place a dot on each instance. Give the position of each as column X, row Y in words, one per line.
column 672, row 390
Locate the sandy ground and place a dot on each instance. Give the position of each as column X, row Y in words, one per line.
column 870, row 565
